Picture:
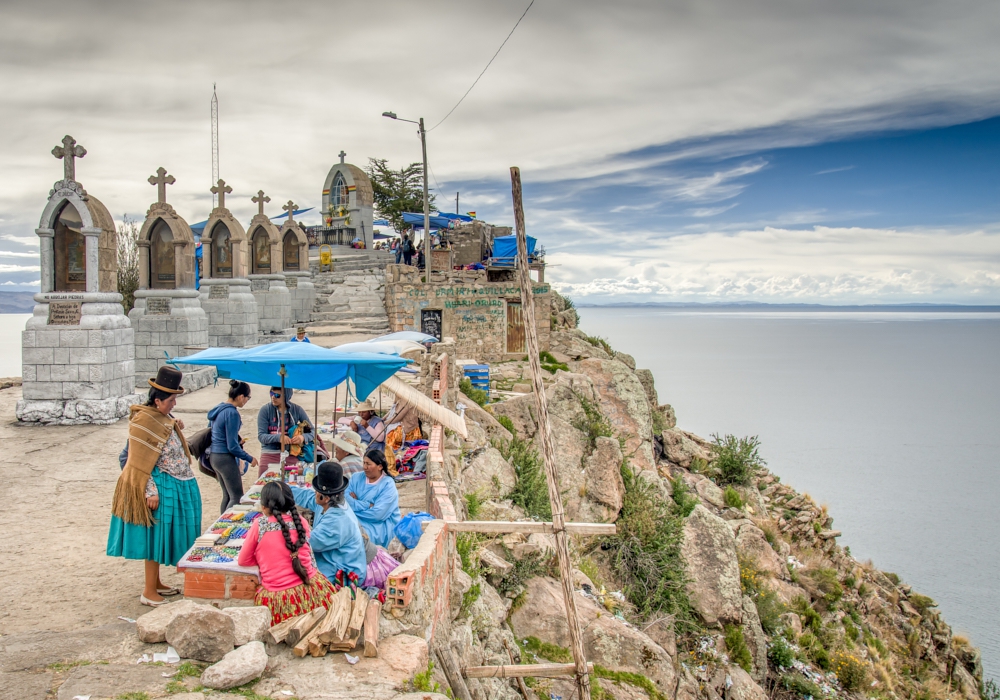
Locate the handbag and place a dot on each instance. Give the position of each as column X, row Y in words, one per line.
column 201, row 447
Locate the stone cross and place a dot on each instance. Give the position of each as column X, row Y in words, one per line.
column 342, row 156
column 221, row 189
column 69, row 151
column 290, row 208
column 161, row 180
column 260, row 200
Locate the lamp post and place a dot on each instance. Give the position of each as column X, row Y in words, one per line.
column 427, row 210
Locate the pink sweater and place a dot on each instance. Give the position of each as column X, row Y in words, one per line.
column 269, row 553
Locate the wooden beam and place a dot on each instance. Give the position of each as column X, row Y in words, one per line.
column 522, row 670
column 547, row 444
column 452, row 672
column 372, row 615
column 531, row 527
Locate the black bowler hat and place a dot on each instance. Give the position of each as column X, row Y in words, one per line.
column 168, row 379
column 330, row 479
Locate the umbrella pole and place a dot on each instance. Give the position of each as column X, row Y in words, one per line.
column 315, row 430
column 281, row 423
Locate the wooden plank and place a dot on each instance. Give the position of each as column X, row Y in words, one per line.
column 522, row 670
column 358, row 611
column 451, row 671
column 335, row 623
column 547, row 444
column 520, row 681
column 304, row 626
column 531, row 527
column 277, row 634
column 372, row 615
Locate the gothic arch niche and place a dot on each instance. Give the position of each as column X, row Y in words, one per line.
column 290, row 252
column 69, row 251
column 260, row 252
column 222, row 252
column 340, row 198
column 162, row 272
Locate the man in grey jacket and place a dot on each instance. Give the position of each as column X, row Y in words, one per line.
column 269, row 432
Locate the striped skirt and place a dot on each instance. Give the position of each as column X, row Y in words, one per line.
column 298, row 600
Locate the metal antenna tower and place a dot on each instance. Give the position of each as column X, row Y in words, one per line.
column 215, row 144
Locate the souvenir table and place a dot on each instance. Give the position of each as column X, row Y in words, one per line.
column 210, row 567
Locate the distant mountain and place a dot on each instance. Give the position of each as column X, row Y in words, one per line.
column 17, row 302
column 762, row 306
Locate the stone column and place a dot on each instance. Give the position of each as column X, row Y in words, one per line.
column 144, row 264
column 90, row 238
column 46, row 251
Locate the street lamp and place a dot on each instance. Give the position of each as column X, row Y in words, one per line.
column 427, row 210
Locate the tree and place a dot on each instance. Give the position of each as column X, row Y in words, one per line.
column 128, row 261
column 397, row 191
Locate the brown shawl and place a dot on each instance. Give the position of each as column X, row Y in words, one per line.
column 148, row 431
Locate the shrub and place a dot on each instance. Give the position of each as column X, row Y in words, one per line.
column 736, row 459
column 780, row 653
column 524, row 569
column 801, row 686
column 810, row 618
column 825, row 579
column 423, row 682
column 646, row 551
column 551, row 652
column 128, row 261
column 892, row 577
column 551, row 364
column 473, row 501
column 851, row 670
column 599, row 342
column 465, row 545
column 921, row 602
column 594, row 424
column 468, row 598
column 480, row 396
column 531, row 490
column 769, row 609
column 635, row 679
column 683, row 497
column 589, row 568
column 990, row 690
column 506, row 422
column 732, row 498
column 736, row 648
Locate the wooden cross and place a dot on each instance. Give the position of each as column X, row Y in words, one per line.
column 290, row 208
column 161, row 180
column 221, row 189
column 342, row 156
column 69, row 151
column 260, row 200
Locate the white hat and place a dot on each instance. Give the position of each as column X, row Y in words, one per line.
column 364, row 406
column 349, row 441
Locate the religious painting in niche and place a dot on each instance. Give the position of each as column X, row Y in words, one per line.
column 222, row 251
column 261, row 252
column 290, row 249
column 339, row 196
column 70, row 250
column 430, row 322
column 161, row 257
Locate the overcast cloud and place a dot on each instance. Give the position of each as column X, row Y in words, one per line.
column 583, row 90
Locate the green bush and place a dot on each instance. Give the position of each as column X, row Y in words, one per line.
column 480, row 396
column 736, row 648
column 531, row 491
column 544, row 650
column 736, row 459
column 506, row 422
column 921, row 602
column 810, row 618
column 473, row 501
column 826, row 581
column 801, row 686
column 851, row 670
column 468, row 598
column 732, row 498
column 780, row 653
column 634, row 679
column 594, row 424
column 990, row 690
column 525, row 568
column 423, row 682
column 683, row 498
column 769, row 609
column 599, row 342
column 646, row 551
column 465, row 545
column 551, row 364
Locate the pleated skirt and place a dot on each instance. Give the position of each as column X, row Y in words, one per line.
column 177, row 524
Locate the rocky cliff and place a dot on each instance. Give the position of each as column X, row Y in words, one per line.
column 722, row 582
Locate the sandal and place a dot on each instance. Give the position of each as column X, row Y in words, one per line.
column 151, row 603
column 168, row 591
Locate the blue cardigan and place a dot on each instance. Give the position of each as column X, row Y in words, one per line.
column 335, row 539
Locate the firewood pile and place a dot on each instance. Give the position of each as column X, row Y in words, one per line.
column 338, row 629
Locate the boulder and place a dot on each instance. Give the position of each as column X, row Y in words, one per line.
column 743, row 686
column 521, row 388
column 545, row 543
column 662, row 632
column 237, row 667
column 489, row 605
column 205, row 634
column 573, row 343
column 521, row 411
column 792, row 622
column 682, row 447
column 251, row 623
column 752, row 544
column 711, row 493
column 669, row 416
column 623, row 402
column 484, row 418
column 753, row 633
column 608, row 641
column 461, row 582
column 152, row 627
column 570, row 449
column 604, row 480
column 645, row 378
column 709, row 549
column 626, row 359
column 787, row 592
column 488, row 475
column 501, row 511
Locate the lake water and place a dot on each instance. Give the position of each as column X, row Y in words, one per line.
column 11, row 326
column 889, row 418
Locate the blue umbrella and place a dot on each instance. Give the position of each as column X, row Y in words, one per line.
column 299, row 366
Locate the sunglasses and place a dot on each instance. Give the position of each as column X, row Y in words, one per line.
column 275, row 394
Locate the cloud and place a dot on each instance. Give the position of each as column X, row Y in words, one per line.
column 836, row 170
column 10, row 254
column 8, row 283
column 19, row 268
column 23, row 240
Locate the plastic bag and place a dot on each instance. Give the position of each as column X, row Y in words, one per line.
column 408, row 530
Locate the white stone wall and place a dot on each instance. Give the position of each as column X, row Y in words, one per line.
column 231, row 309
column 159, row 334
column 303, row 292
column 274, row 303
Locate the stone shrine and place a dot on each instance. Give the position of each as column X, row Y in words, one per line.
column 348, row 205
column 267, row 282
column 225, row 290
column 167, row 318
column 77, row 349
column 295, row 266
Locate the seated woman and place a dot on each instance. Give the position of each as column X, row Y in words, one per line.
column 373, row 497
column 336, row 537
column 278, row 544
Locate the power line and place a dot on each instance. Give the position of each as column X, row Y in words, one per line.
column 484, row 69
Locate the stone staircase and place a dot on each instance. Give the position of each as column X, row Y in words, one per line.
column 350, row 299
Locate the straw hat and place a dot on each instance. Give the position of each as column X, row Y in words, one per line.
column 364, row 406
column 349, row 442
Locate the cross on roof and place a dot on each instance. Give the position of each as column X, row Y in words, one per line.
column 290, row 208
column 69, row 151
column 342, row 156
column 221, row 189
column 260, row 200
column 161, row 180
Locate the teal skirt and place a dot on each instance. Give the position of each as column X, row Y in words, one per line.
column 177, row 522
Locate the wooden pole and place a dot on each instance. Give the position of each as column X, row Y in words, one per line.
column 548, row 448
column 315, row 431
column 525, row 528
column 522, row 670
column 281, row 424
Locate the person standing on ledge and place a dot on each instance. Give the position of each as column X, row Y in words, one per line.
column 300, row 336
column 156, row 508
column 272, row 442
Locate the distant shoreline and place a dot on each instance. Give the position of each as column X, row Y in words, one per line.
column 754, row 306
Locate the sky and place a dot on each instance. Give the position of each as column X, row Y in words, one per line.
column 701, row 151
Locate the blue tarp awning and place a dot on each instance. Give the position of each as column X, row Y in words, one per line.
column 505, row 250
column 417, row 221
column 307, row 366
column 381, row 222
column 456, row 217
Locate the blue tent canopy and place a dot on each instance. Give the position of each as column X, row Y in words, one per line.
column 381, row 222
column 417, row 221
column 505, row 250
column 307, row 366
column 455, row 217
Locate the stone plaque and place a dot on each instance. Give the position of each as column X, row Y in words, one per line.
column 158, row 306
column 291, row 282
column 259, row 285
column 219, row 291
column 64, row 313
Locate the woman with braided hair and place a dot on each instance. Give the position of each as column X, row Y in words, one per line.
column 278, row 544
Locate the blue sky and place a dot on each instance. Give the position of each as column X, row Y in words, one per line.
column 698, row 150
